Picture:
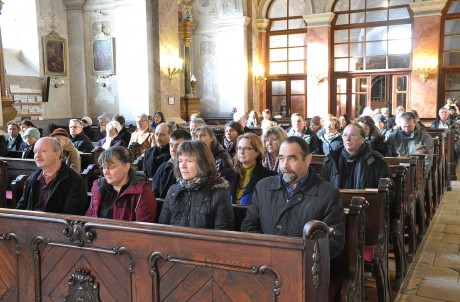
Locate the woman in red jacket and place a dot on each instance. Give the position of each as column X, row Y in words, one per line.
column 121, row 193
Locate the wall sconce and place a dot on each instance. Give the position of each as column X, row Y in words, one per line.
column 259, row 73
column 100, row 78
column 318, row 76
column 193, row 84
column 425, row 66
column 174, row 67
column 58, row 82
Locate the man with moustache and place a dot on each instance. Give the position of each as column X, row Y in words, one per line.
column 283, row 204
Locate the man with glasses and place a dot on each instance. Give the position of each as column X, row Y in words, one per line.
column 100, row 133
column 144, row 137
column 78, row 138
column 299, row 128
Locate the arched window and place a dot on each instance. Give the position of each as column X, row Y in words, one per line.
column 287, row 57
column 20, row 40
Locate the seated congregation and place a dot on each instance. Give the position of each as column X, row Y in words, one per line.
column 380, row 175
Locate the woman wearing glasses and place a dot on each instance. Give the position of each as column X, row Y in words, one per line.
column 200, row 198
column 272, row 140
column 122, row 193
column 247, row 169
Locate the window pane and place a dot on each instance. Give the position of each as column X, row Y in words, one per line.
column 452, row 59
column 454, row 7
column 279, row 88
column 278, row 25
column 341, row 50
column 278, row 68
column 399, row 61
column 401, row 84
column 356, row 49
column 298, row 103
column 342, row 19
column 376, row 33
column 452, row 82
column 374, row 3
column 341, row 36
column 297, row 23
column 297, row 40
column 357, row 18
column 297, row 53
column 403, row 31
column 278, row 41
column 342, row 5
column 357, row 4
column 400, row 2
column 451, row 43
column 356, row 35
column 399, row 13
column 298, row 87
column 341, row 64
column 356, row 64
column 375, row 48
column 278, row 54
column 377, row 16
column 296, row 67
column 279, row 105
column 401, row 99
column 359, row 85
column 452, row 27
column 376, row 62
column 400, row 46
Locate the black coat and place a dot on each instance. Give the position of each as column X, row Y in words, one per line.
column 274, row 212
column 163, row 179
column 153, row 158
column 67, row 193
column 82, row 143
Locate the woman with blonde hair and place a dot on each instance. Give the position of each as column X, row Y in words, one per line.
column 272, row 139
column 200, row 198
column 247, row 169
column 332, row 138
column 253, row 119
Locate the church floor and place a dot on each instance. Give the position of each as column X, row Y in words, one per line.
column 434, row 274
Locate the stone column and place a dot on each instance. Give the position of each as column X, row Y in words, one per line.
column 318, row 65
column 426, row 39
column 8, row 111
column 260, row 101
column 185, row 35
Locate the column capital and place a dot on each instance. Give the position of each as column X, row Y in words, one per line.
column 319, row 20
column 262, row 24
column 427, row 8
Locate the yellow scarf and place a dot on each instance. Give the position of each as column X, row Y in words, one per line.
column 242, row 184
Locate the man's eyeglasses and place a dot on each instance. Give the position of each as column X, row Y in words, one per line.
column 141, row 121
column 245, row 149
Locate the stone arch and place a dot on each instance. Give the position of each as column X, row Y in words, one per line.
column 316, row 6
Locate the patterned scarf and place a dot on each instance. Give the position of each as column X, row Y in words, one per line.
column 192, row 183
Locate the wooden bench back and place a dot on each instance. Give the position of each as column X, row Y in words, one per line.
column 111, row 260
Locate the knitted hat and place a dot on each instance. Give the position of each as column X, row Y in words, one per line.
column 88, row 120
column 114, row 124
column 31, row 132
column 61, row 132
column 315, row 120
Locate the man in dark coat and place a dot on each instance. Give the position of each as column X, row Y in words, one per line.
column 155, row 156
column 299, row 128
column 355, row 165
column 164, row 178
column 78, row 138
column 282, row 204
column 54, row 187
column 14, row 141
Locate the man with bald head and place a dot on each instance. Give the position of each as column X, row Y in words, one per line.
column 54, row 187
column 155, row 156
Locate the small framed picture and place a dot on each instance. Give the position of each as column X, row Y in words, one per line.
column 170, row 100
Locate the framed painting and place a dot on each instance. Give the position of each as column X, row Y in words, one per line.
column 102, row 56
column 55, row 55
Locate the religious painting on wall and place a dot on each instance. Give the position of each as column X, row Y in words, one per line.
column 55, row 55
column 102, row 53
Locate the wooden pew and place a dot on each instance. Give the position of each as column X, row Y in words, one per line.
column 449, row 136
column 352, row 288
column 89, row 158
column 90, row 174
column 317, row 162
column 63, row 257
column 18, row 171
column 14, row 154
column 376, row 233
column 4, row 181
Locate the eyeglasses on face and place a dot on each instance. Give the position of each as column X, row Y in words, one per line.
column 73, row 127
column 141, row 121
column 245, row 149
column 272, row 140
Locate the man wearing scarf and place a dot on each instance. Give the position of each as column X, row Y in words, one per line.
column 355, row 165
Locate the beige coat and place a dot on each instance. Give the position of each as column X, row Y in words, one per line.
column 145, row 138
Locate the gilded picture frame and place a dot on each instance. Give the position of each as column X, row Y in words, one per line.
column 55, row 55
column 103, row 56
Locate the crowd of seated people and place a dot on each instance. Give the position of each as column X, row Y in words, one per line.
column 200, row 177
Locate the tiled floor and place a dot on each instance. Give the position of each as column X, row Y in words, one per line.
column 434, row 275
